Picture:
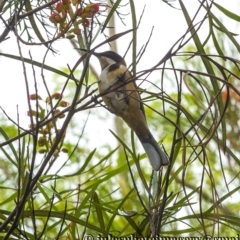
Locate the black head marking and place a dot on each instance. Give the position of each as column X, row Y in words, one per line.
column 111, row 55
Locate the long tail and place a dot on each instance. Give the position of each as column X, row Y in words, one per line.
column 156, row 156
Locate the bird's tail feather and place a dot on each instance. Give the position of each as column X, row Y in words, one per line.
column 155, row 154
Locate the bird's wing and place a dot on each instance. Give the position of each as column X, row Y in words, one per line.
column 139, row 97
column 141, row 103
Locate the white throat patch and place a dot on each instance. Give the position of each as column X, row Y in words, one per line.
column 109, row 61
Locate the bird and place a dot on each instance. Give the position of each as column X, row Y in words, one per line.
column 121, row 96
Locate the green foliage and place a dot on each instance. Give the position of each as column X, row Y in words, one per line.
column 55, row 185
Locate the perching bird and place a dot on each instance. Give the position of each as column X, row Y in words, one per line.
column 124, row 100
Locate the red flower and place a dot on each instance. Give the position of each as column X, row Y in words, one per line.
column 89, row 10
column 93, row 7
column 80, row 11
column 59, row 7
column 57, row 18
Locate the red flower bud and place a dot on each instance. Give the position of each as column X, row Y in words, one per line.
column 95, row 7
column 59, row 7
column 63, row 104
column 57, row 95
column 89, row 11
column 52, row 18
column 34, row 97
column 80, row 11
column 77, row 31
column 58, row 17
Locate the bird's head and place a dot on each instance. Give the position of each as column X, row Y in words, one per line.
column 108, row 58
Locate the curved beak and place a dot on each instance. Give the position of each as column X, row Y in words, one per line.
column 90, row 52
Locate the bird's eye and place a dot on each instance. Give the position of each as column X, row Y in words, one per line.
column 120, row 78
